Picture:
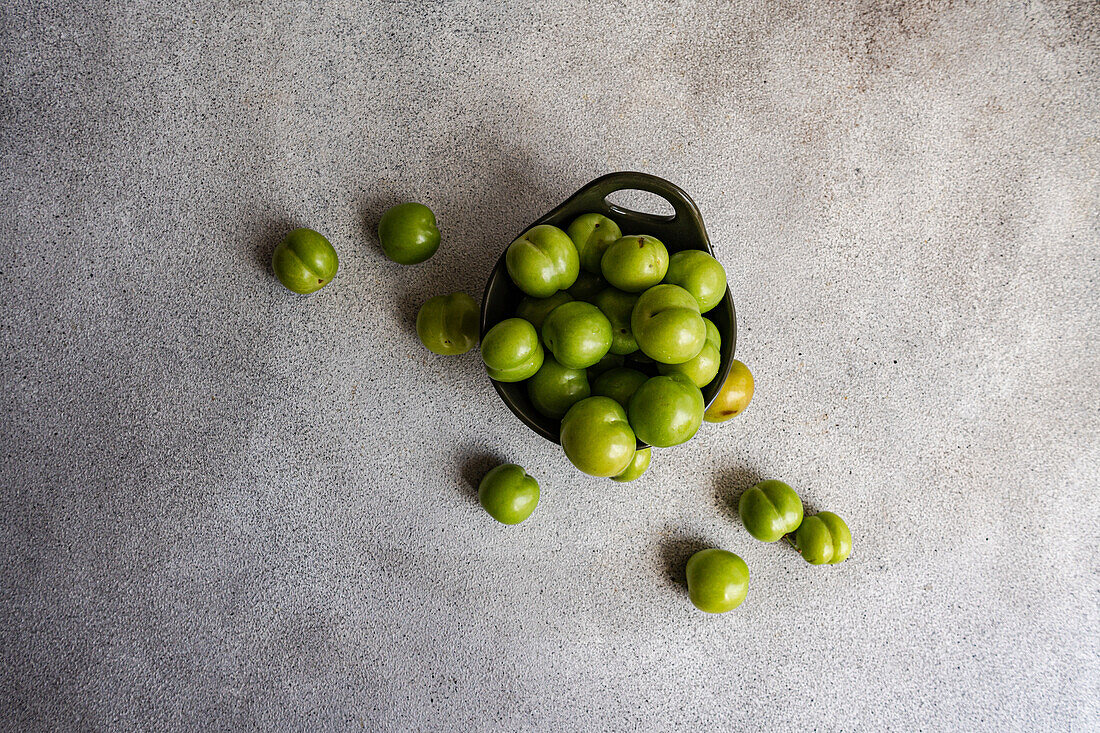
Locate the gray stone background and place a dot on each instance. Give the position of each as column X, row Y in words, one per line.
column 229, row 507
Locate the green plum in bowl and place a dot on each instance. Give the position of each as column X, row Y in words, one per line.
column 619, row 384
column 543, row 261
column 667, row 324
column 586, row 286
column 703, row 367
column 512, row 351
column 609, row 361
column 635, row 263
column 597, row 437
column 638, row 466
column 666, row 410
column 700, row 274
column 555, row 388
column 578, row 334
column 535, row 310
column 617, row 305
column 592, row 234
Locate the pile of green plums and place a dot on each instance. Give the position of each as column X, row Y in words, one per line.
column 611, row 339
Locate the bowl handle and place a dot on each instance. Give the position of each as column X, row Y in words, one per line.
column 594, row 196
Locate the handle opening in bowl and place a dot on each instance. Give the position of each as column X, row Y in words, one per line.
column 635, row 201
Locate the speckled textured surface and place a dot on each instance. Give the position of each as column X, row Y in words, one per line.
column 228, row 507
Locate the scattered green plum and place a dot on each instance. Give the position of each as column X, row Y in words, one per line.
column 447, row 324
column 511, row 351
column 700, row 274
column 703, row 367
column 770, row 510
column 735, row 395
column 508, row 493
column 408, row 233
column 717, row 580
column 555, row 388
column 823, row 538
column 592, row 234
column 304, row 261
column 638, row 465
column 542, row 261
column 619, row 384
column 666, row 410
column 535, row 310
column 597, row 438
column 635, row 263
column 667, row 324
column 617, row 306
column 577, row 334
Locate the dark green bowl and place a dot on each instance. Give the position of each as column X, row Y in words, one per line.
column 682, row 230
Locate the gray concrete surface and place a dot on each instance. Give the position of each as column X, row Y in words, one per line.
column 225, row 507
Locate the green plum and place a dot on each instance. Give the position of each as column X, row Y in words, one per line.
column 638, row 465
column 617, row 306
column 511, row 351
column 508, row 493
column 770, row 510
column 597, row 438
column 619, row 384
column 304, row 261
column 586, row 286
column 447, row 324
column 823, row 538
column 535, row 310
column 609, row 361
column 735, row 395
column 703, row 367
column 700, row 274
column 667, row 324
column 666, row 411
column 555, row 388
column 592, row 234
column 542, row 261
column 408, row 233
column 577, row 334
column 718, row 580
column 635, row 263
